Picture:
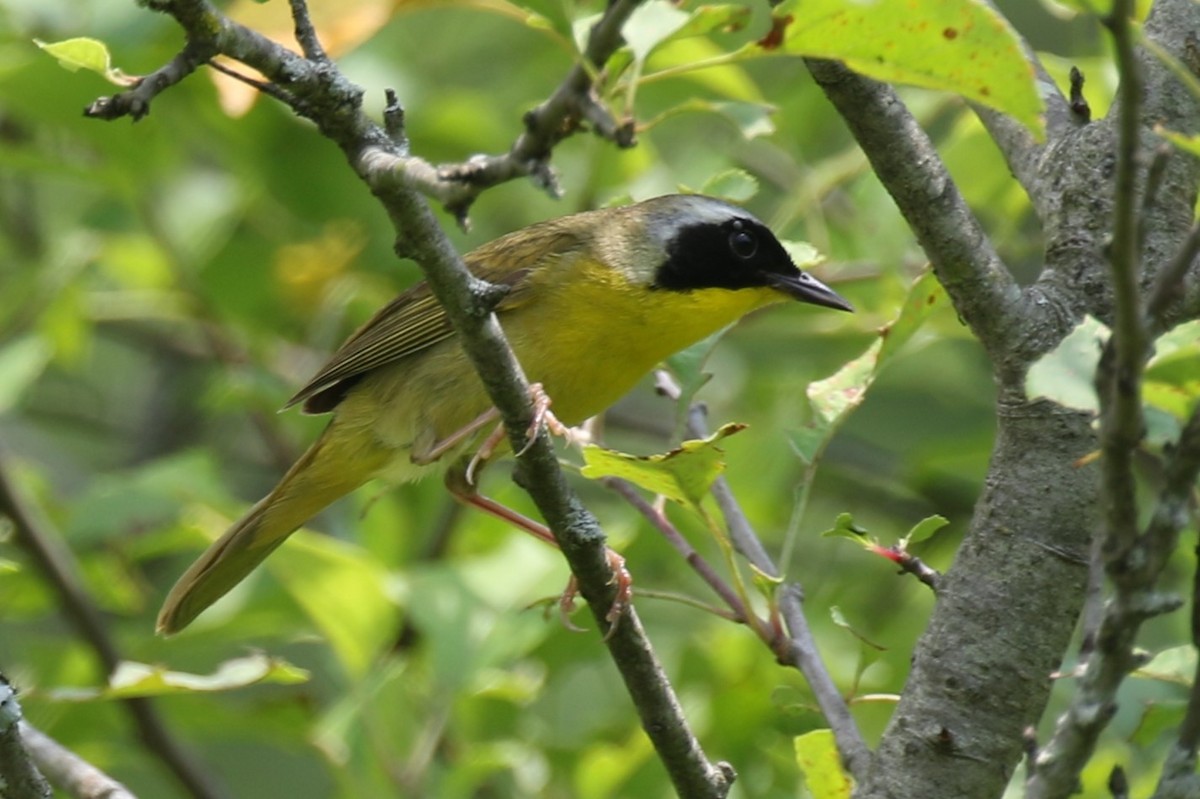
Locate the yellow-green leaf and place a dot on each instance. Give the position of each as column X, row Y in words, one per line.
column 817, row 756
column 132, row 679
column 684, row 474
column 833, row 398
column 343, row 590
column 960, row 46
column 844, row 527
column 85, row 53
column 803, row 254
column 22, row 361
column 924, row 529
column 735, row 185
column 1175, row 665
column 1066, row 374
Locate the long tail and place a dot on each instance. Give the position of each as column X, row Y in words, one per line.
column 336, row 464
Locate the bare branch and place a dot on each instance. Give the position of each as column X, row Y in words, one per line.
column 1119, row 376
column 306, row 34
column 19, row 777
column 979, row 284
column 911, row 564
column 574, row 102
column 69, row 771
column 1169, row 282
column 135, row 103
column 1179, row 779
column 682, row 546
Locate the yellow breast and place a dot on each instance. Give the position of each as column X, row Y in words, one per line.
column 590, row 334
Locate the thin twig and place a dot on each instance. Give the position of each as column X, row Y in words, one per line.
column 306, row 34
column 1179, row 778
column 694, row 559
column 1119, row 376
column 266, row 87
column 135, row 103
column 1079, row 103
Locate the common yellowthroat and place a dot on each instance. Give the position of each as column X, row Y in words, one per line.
column 595, row 301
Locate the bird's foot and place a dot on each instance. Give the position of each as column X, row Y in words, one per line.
column 541, row 415
column 621, row 602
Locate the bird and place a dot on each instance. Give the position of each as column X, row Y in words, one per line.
column 595, row 300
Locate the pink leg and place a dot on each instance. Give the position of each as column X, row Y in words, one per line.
column 466, row 494
column 440, row 448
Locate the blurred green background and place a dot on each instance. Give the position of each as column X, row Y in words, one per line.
column 166, row 285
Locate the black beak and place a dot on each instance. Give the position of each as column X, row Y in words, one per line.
column 806, row 288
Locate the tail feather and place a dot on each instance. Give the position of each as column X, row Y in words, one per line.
column 332, row 467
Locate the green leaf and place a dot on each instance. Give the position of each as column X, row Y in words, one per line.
column 819, row 761
column 751, row 119
column 1066, row 374
column 835, row 615
column 734, row 185
column 925, row 297
column 1172, row 379
column 803, row 254
column 1158, row 717
column 84, row 53
column 1097, row 7
column 960, row 46
column 706, row 19
column 923, row 530
column 687, row 367
column 343, row 590
column 21, row 363
column 844, row 527
column 657, row 22
column 833, row 398
column 131, row 679
column 650, row 25
column 684, row 474
column 1176, row 665
column 766, row 584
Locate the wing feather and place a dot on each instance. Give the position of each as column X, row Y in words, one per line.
column 415, row 321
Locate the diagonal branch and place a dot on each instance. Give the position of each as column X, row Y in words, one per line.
column 902, row 155
column 321, row 93
column 19, row 775
column 70, row 772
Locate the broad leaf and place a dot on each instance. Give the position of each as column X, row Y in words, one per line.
column 684, row 474
column 818, row 758
column 960, row 46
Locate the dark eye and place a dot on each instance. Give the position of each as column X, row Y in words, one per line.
column 742, row 243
